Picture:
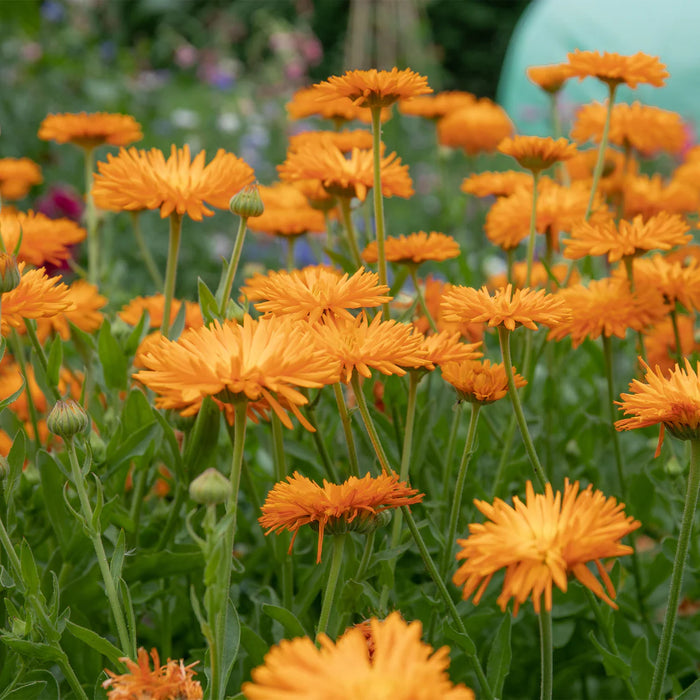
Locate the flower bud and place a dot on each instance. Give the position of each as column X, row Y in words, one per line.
column 9, row 273
column 210, row 487
column 67, row 418
column 247, row 202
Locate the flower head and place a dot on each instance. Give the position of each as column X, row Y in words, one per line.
column 414, row 248
column 522, row 307
column 650, row 195
column 542, row 541
column 287, row 212
column 438, row 105
column 90, row 130
column 447, row 347
column 613, row 69
column 498, row 184
column 345, row 140
column 306, row 103
column 17, row 175
column 550, row 78
column 333, row 508
column 475, row 128
column 155, row 305
column 479, row 382
column 537, row 153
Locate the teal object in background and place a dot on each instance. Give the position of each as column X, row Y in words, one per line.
column 549, row 29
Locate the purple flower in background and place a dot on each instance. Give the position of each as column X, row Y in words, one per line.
column 52, row 11
column 61, row 201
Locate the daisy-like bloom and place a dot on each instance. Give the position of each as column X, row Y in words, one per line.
column 396, row 665
column 498, row 184
column 305, row 103
column 344, row 140
column 361, row 346
column 256, row 360
column 314, row 292
column 44, row 240
column 550, row 78
column 17, row 175
column 628, row 238
column 91, row 130
column 333, row 508
column 414, row 248
column 136, row 180
column 645, row 128
column 36, row 296
column 447, row 347
column 476, row 128
column 438, row 105
column 539, row 277
column 542, row 541
column 614, row 69
column 660, row 342
column 648, row 196
column 479, row 382
column 287, row 212
column 171, row 680
column 374, row 88
column 607, row 307
column 131, row 313
column 343, row 176
column 522, row 307
column 537, row 153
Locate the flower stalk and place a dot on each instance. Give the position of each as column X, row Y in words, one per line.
column 333, row 575
column 171, row 270
column 378, row 198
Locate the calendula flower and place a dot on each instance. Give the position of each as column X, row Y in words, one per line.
column 131, row 313
column 671, row 400
column 17, row 175
column 539, row 275
column 537, row 153
column 508, row 308
column 44, row 240
column 350, row 176
column 287, row 212
column 660, row 342
column 447, row 347
column 361, row 346
column 476, row 128
column 314, row 292
column 136, row 180
column 651, row 195
column 479, row 382
column 169, row 681
column 607, row 307
column 333, row 508
column 542, row 541
column 90, row 130
column 396, row 664
column 414, row 248
column 306, row 103
column 498, row 184
column 645, row 128
column 257, row 360
column 36, row 296
column 550, row 78
column 614, row 69
column 628, row 238
column 436, row 106
column 345, row 140
column 374, row 88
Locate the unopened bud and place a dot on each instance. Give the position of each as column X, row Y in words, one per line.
column 210, row 487
column 247, row 202
column 9, row 273
column 68, row 418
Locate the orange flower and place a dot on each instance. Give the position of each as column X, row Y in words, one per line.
column 660, row 232
column 314, row 292
column 85, row 314
column 414, row 248
column 539, row 275
column 607, row 307
column 476, row 128
column 172, row 680
column 644, row 128
column 131, row 313
column 479, row 382
column 333, row 508
column 613, row 69
column 256, row 360
column 287, row 212
column 44, row 240
column 344, row 140
column 17, row 175
column 373, row 88
column 446, row 347
column 522, row 307
column 346, row 176
column 397, row 665
column 550, row 78
column 649, row 196
column 542, row 541
column 90, row 130
column 436, row 106
column 537, row 153
column 499, row 184
column 36, row 296
column 386, row 346
column 135, row 180
column 306, row 103
column 660, row 342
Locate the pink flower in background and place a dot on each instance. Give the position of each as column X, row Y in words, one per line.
column 61, row 201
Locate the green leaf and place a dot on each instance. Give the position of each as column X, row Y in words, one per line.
column 254, row 645
column 232, row 642
column 137, row 334
column 93, row 640
column 28, row 691
column 286, row 618
column 462, row 640
column 178, row 325
column 202, row 440
column 642, row 667
column 12, row 397
column 614, row 665
column 115, row 566
column 207, row 302
column 136, row 412
column 126, row 448
column 150, row 567
column 112, row 357
column 52, row 483
column 498, row 663
column 128, row 611
column 30, row 574
column 692, row 692
column 55, row 360
column 33, row 650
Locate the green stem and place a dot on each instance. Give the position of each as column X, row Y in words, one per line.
column 546, row 654
column 173, row 516
column 533, row 229
column 139, row 490
column 333, row 575
column 11, row 554
column 691, row 501
column 369, row 423
column 320, row 445
column 69, row 673
column 347, row 429
column 171, row 270
column 280, row 474
column 96, row 539
column 504, row 340
column 608, row 356
column 450, row 451
column 421, row 298
column 378, row 198
column 350, row 230
column 359, row 575
column 232, row 266
column 41, row 356
column 459, row 488
column 505, row 454
column 91, row 219
column 447, row 599
column 677, row 336
column 146, row 256
column 18, row 353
